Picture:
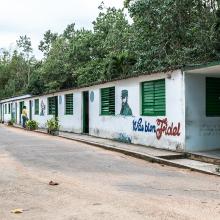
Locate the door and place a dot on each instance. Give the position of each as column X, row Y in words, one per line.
column 21, row 105
column 16, row 120
column 53, row 106
column 30, row 110
column 13, row 112
column 86, row 112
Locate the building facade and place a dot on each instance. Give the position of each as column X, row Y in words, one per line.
column 164, row 110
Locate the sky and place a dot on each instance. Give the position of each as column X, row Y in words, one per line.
column 34, row 17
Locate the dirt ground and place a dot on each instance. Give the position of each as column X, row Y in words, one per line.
column 95, row 184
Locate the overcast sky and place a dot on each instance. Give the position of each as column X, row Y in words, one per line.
column 35, row 17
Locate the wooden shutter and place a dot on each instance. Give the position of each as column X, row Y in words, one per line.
column 154, row 98
column 108, row 101
column 212, row 97
column 69, row 104
column 36, row 106
column 51, row 106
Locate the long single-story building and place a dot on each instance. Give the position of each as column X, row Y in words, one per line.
column 177, row 110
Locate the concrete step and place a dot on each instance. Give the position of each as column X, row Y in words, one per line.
column 173, row 156
column 203, row 158
column 198, row 165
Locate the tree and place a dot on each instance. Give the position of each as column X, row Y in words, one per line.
column 170, row 33
column 46, row 44
column 24, row 43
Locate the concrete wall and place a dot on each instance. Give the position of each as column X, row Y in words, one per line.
column 70, row 123
column 121, row 127
column 162, row 131
column 202, row 133
column 7, row 116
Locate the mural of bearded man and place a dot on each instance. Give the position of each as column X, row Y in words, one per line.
column 125, row 108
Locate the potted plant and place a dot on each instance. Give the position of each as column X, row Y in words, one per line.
column 32, row 125
column 53, row 126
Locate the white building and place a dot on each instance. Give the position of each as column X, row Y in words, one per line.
column 177, row 110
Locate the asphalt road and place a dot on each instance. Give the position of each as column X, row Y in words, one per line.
column 94, row 183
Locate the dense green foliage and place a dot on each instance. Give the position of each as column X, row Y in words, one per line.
column 162, row 34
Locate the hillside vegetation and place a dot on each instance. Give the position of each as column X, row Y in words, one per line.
column 163, row 34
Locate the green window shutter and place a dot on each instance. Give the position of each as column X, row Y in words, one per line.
column 212, row 97
column 36, row 106
column 108, row 101
column 69, row 104
column 154, row 98
column 51, row 105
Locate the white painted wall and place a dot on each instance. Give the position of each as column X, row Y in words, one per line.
column 114, row 126
column 202, row 133
column 41, row 119
column 71, row 123
column 7, row 117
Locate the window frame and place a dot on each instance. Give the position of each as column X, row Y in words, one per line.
column 153, row 95
column 48, row 105
column 102, row 112
column 36, row 111
column 70, row 108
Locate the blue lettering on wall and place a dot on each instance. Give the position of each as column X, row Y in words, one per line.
column 139, row 125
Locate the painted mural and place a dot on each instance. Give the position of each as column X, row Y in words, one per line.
column 162, row 127
column 43, row 108
column 92, row 96
column 125, row 108
column 122, row 137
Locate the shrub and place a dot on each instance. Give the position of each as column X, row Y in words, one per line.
column 32, row 125
column 53, row 126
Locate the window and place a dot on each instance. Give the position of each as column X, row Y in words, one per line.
column 36, row 106
column 69, row 104
column 212, row 97
column 9, row 108
column 5, row 108
column 154, row 98
column 108, row 101
column 51, row 106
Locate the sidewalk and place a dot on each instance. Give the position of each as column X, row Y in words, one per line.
column 166, row 157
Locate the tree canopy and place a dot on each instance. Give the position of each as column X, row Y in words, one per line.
column 152, row 35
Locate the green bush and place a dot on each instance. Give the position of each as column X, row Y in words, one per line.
column 53, row 126
column 32, row 125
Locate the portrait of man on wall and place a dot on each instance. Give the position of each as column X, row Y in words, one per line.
column 125, row 108
column 43, row 107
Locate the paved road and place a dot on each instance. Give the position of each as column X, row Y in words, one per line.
column 95, row 184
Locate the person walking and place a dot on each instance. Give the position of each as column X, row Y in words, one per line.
column 24, row 117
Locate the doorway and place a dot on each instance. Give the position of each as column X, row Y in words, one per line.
column 86, row 112
column 21, row 105
column 30, row 110
column 16, row 113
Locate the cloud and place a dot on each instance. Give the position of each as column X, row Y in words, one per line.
column 35, row 17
